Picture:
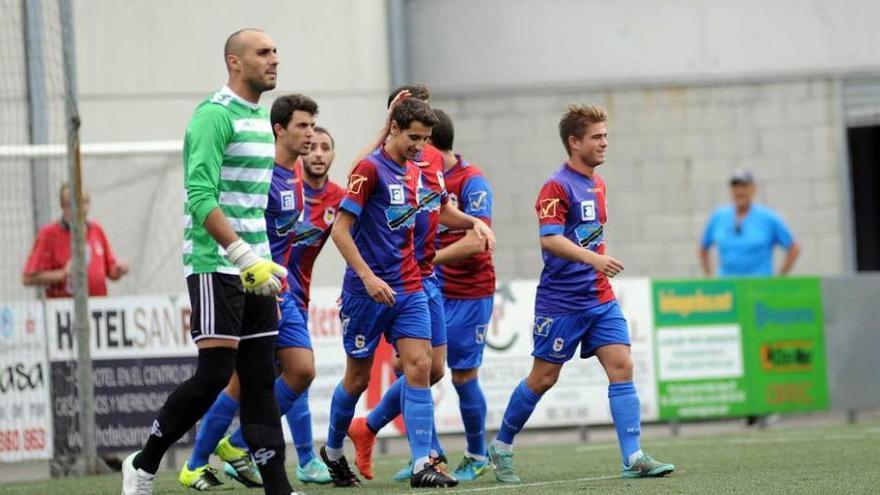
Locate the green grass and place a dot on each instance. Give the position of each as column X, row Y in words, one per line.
column 828, row 459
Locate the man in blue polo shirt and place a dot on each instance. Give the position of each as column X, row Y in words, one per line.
column 746, row 233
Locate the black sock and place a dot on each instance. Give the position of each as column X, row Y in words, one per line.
column 260, row 420
column 189, row 402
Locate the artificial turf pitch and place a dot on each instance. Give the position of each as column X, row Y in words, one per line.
column 827, row 459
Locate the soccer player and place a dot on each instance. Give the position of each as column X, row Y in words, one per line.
column 433, row 209
column 574, row 303
column 383, row 292
column 468, row 293
column 232, row 281
column 291, row 233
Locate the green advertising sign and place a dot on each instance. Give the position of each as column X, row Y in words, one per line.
column 739, row 346
column 784, row 344
column 700, row 371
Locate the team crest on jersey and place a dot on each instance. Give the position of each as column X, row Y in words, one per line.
column 329, row 215
column 588, row 210
column 355, row 183
column 548, row 208
column 558, row 344
column 542, row 325
column 481, row 333
column 590, row 236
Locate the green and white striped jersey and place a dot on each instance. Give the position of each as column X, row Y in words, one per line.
column 228, row 156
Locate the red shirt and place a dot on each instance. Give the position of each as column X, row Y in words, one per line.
column 473, row 278
column 51, row 251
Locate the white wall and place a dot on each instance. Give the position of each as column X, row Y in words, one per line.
column 143, row 67
column 465, row 44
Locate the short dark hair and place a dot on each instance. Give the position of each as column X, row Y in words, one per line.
column 410, row 110
column 418, row 91
column 283, row 108
column 443, row 134
column 322, row 130
column 576, row 119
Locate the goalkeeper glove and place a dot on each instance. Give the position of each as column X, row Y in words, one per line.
column 258, row 275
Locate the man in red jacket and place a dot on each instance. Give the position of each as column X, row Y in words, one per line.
column 49, row 262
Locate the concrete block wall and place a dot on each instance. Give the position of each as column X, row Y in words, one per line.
column 671, row 152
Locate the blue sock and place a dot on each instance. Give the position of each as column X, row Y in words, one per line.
column 418, row 415
column 237, row 439
column 341, row 412
column 627, row 417
column 436, row 448
column 299, row 419
column 522, row 403
column 388, row 408
column 212, row 428
column 472, row 404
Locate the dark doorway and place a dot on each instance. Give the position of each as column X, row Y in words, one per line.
column 864, row 155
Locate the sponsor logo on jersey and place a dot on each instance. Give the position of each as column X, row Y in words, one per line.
column 288, row 201
column 542, row 325
column 355, row 183
column 477, row 200
column 588, row 210
column 481, row 333
column 548, row 208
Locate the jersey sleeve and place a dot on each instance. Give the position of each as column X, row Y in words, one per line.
column 709, row 233
column 361, row 183
column 477, row 198
column 40, row 258
column 207, row 135
column 781, row 233
column 552, row 208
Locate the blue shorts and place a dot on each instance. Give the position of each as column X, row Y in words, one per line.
column 365, row 320
column 435, row 308
column 293, row 330
column 466, row 323
column 557, row 337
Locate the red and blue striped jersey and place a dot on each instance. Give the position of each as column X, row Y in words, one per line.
column 284, row 210
column 432, row 196
column 473, row 278
column 383, row 195
column 573, row 205
column 309, row 236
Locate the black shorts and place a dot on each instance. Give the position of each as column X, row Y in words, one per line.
column 221, row 309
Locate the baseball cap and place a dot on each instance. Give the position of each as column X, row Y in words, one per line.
column 742, row 176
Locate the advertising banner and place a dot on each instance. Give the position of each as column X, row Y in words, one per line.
column 141, row 351
column 739, row 347
column 25, row 415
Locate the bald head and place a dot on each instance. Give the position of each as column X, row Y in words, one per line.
column 237, row 41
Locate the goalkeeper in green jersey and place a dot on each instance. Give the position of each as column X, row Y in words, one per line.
column 228, row 159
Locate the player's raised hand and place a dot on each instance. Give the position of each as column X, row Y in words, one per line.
column 379, row 290
column 607, row 265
